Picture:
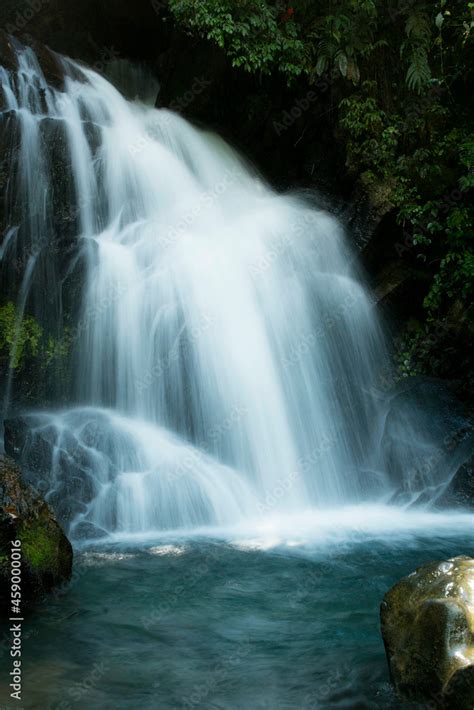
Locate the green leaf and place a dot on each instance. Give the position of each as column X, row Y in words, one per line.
column 321, row 65
column 342, row 62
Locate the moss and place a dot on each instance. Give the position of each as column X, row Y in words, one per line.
column 45, row 550
column 40, row 358
column 18, row 336
column 58, row 348
column 39, row 549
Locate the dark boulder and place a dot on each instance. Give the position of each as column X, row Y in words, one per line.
column 369, row 205
column 460, row 490
column 7, row 52
column 428, row 435
column 61, row 462
column 427, row 624
column 51, row 65
column 59, row 469
column 46, row 553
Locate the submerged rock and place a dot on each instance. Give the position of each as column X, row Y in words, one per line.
column 46, row 553
column 428, row 630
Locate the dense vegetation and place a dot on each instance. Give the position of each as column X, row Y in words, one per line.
column 400, row 81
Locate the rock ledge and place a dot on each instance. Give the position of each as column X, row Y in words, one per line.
column 46, row 552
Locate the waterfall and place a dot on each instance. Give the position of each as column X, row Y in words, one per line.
column 226, row 354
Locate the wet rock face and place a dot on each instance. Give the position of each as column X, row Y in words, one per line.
column 428, row 630
column 59, row 475
column 421, row 470
column 61, row 466
column 40, row 227
column 48, row 60
column 460, row 491
column 46, row 553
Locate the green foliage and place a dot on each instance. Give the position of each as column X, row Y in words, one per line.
column 340, row 41
column 441, row 229
column 416, row 47
column 466, row 156
column 307, row 38
column 23, row 339
column 58, row 348
column 263, row 36
column 424, row 146
column 252, row 32
column 372, row 137
column 18, row 337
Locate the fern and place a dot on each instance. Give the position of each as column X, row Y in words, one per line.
column 418, row 72
column 416, row 48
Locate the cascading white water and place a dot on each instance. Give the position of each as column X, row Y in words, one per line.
column 215, row 309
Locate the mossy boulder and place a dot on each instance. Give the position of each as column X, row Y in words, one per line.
column 46, row 552
column 428, row 630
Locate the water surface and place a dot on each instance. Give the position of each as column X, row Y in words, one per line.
column 268, row 619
